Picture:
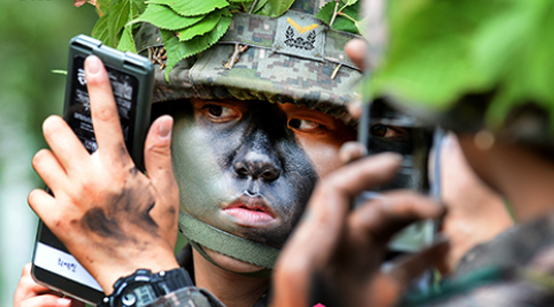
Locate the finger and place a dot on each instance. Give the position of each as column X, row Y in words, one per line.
column 44, row 206
column 352, row 151
column 105, row 117
column 157, row 154
column 49, row 168
column 355, row 49
column 355, row 108
column 392, row 211
column 157, row 159
column 63, row 142
column 323, row 223
column 46, row 300
column 405, row 270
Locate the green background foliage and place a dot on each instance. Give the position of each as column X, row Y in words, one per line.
column 442, row 50
column 33, row 41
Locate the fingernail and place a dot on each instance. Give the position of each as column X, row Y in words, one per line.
column 92, row 64
column 164, row 130
column 64, row 301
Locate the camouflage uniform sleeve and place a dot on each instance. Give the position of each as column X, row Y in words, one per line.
column 188, row 297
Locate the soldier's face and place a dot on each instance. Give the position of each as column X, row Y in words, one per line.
column 249, row 168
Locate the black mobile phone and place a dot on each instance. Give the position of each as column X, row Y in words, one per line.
column 131, row 77
column 383, row 128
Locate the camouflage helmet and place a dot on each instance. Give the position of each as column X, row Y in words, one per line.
column 469, row 65
column 295, row 58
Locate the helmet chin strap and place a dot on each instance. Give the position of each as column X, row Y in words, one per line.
column 200, row 235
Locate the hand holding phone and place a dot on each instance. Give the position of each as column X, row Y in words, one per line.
column 111, row 217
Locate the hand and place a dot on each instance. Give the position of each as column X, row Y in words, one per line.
column 31, row 294
column 335, row 254
column 111, row 217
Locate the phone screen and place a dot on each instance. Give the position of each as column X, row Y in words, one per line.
column 52, row 261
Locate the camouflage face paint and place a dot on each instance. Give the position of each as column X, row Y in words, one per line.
column 241, row 169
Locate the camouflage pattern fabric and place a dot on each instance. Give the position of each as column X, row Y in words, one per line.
column 295, row 58
column 514, row 269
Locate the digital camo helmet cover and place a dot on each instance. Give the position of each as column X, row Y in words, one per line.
column 295, row 58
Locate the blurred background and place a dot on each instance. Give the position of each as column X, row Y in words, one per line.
column 34, row 36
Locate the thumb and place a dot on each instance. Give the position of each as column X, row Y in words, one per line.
column 157, row 153
column 157, row 160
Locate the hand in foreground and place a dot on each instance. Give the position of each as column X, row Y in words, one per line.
column 31, row 294
column 110, row 216
column 335, row 254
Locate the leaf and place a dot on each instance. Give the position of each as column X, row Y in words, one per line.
column 127, row 42
column 275, row 8
column 176, row 51
column 193, row 7
column 349, row 2
column 165, row 18
column 259, row 5
column 342, row 23
column 119, row 16
column 100, row 30
column 206, row 25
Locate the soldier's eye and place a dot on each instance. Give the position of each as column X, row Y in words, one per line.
column 219, row 113
column 383, row 131
column 304, row 125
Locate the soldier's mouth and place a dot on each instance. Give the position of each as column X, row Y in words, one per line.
column 249, row 211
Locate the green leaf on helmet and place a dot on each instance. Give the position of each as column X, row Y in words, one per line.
column 346, row 20
column 165, row 18
column 275, row 8
column 349, row 2
column 192, row 8
column 127, row 43
column 442, row 51
column 259, row 5
column 176, row 50
column 100, row 29
column 206, row 25
column 118, row 18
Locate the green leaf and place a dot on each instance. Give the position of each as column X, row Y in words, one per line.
column 275, row 8
column 119, row 17
column 206, row 25
column 100, row 30
column 176, row 51
column 349, row 2
column 193, row 7
column 165, row 18
column 342, row 23
column 127, row 43
column 259, row 5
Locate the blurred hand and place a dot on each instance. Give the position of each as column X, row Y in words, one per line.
column 110, row 216
column 476, row 214
column 31, row 294
column 334, row 257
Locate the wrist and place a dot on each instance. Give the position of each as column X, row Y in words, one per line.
column 108, row 277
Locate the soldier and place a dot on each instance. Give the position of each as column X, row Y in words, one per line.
column 502, row 116
column 247, row 146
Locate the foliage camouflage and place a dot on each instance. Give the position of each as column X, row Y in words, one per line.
column 197, row 24
column 444, row 52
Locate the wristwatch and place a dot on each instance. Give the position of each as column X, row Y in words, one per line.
column 143, row 287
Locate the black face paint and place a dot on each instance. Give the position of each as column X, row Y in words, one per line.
column 254, row 161
column 130, row 208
